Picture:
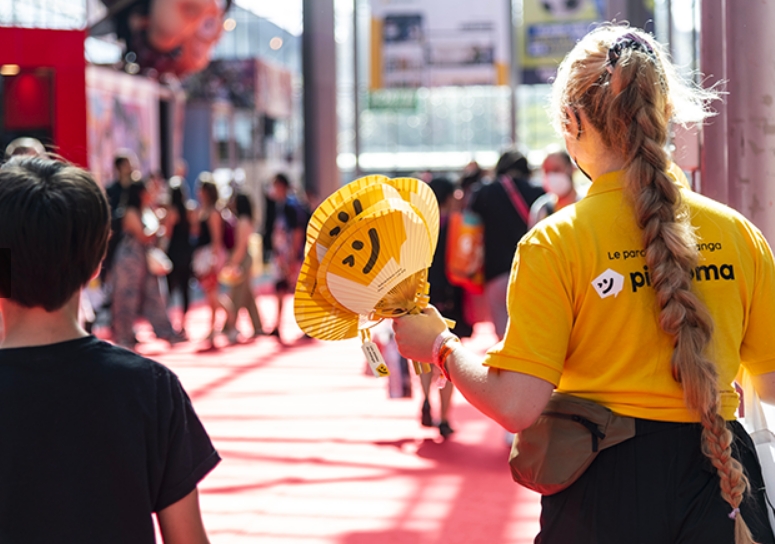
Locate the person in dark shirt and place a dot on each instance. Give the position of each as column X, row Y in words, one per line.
column 448, row 299
column 504, row 225
column 180, row 250
column 117, row 192
column 286, row 232
column 96, row 438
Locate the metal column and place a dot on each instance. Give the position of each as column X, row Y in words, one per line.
column 320, row 120
column 713, row 154
column 749, row 48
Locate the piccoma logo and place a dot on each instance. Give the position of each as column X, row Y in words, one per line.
column 609, row 283
column 709, row 272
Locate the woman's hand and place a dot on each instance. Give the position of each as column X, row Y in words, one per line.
column 415, row 334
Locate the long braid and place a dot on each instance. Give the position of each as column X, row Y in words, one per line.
column 629, row 105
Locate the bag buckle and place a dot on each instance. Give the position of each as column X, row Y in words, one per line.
column 591, row 426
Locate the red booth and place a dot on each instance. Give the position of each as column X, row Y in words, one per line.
column 43, row 89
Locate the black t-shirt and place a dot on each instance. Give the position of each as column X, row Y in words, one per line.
column 180, row 248
column 291, row 212
column 447, row 298
column 117, row 195
column 503, row 226
column 205, row 238
column 94, row 439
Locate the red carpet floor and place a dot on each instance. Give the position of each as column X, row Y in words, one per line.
column 314, row 451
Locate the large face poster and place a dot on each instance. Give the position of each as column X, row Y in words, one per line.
column 550, row 30
column 429, row 43
column 167, row 36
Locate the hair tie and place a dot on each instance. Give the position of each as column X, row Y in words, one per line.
column 733, row 514
column 627, row 41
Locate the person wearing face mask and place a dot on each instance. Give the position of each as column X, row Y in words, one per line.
column 558, row 183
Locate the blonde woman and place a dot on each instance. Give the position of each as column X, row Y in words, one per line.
column 643, row 297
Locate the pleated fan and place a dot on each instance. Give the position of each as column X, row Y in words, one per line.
column 367, row 252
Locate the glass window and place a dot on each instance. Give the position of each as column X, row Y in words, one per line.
column 244, row 129
column 221, row 137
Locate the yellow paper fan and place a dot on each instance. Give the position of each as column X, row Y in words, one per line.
column 420, row 195
column 315, row 315
column 349, row 212
column 322, row 228
column 407, row 228
column 376, row 197
column 332, row 206
column 388, row 245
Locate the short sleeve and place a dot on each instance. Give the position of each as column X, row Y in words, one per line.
column 540, row 315
column 188, row 454
column 757, row 352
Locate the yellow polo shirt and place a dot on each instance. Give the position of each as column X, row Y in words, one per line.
column 583, row 315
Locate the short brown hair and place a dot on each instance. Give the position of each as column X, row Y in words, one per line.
column 209, row 189
column 55, row 219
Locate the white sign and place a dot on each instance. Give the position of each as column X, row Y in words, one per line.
column 430, row 43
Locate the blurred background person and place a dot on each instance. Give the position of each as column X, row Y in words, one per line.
column 117, row 192
column 157, row 187
column 239, row 266
column 558, row 170
column 503, row 203
column 179, row 248
column 210, row 252
column 448, row 299
column 136, row 291
column 25, row 146
column 470, row 180
column 285, row 226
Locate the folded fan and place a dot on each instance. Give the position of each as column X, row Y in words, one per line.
column 368, row 249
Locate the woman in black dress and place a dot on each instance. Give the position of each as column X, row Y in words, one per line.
column 179, row 250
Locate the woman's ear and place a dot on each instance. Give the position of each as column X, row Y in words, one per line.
column 573, row 125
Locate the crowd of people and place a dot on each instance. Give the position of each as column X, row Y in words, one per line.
column 164, row 246
column 207, row 239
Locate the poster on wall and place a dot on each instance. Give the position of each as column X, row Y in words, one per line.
column 122, row 115
column 550, row 30
column 432, row 43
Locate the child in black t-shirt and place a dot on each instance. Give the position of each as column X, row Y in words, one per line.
column 94, row 438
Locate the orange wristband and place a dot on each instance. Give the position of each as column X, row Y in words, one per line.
column 444, row 352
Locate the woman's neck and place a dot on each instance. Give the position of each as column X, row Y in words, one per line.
column 604, row 163
column 591, row 153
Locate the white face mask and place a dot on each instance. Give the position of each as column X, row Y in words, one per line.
column 557, row 183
